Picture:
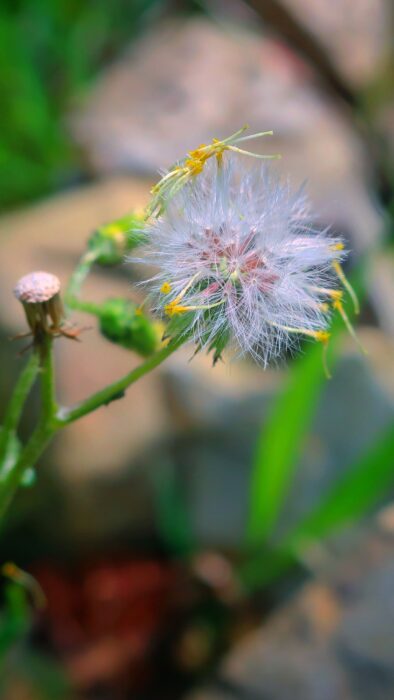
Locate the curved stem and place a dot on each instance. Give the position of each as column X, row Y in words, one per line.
column 78, row 277
column 15, row 407
column 88, row 307
column 115, row 390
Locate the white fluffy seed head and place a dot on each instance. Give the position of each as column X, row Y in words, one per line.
column 238, row 257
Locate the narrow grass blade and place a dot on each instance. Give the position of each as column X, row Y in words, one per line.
column 354, row 494
column 279, row 445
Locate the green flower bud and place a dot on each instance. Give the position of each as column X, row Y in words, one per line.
column 112, row 241
column 122, row 322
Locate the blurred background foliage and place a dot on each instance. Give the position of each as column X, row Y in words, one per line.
column 49, row 52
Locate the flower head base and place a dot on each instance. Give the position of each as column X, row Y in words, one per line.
column 183, row 171
column 240, row 262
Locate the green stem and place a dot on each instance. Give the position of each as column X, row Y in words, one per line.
column 88, row 307
column 48, row 399
column 24, row 384
column 45, row 428
column 78, row 277
column 28, row 458
column 115, row 390
column 21, row 391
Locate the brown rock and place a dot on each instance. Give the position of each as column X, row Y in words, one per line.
column 333, row 641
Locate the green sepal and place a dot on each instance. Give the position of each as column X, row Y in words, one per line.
column 111, row 242
column 218, row 345
column 123, row 323
column 179, row 325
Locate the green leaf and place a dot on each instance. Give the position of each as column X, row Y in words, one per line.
column 355, row 493
column 350, row 498
column 280, row 443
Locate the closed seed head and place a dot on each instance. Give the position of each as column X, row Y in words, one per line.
column 37, row 287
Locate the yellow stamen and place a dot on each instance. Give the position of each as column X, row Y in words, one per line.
column 333, row 293
column 338, row 269
column 324, row 307
column 338, row 306
column 173, row 308
column 113, row 230
column 193, row 164
column 165, row 288
column 338, row 246
column 321, row 336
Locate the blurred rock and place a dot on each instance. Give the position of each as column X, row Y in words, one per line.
column 333, row 640
column 381, row 288
column 189, row 80
column 356, row 35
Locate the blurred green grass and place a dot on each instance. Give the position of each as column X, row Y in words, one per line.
column 49, row 53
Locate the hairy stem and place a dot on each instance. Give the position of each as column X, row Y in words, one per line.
column 115, row 390
column 15, row 407
column 78, row 277
column 48, row 399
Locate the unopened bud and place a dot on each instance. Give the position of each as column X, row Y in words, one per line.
column 111, row 242
column 122, row 322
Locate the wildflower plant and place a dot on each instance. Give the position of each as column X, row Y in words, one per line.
column 239, row 263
